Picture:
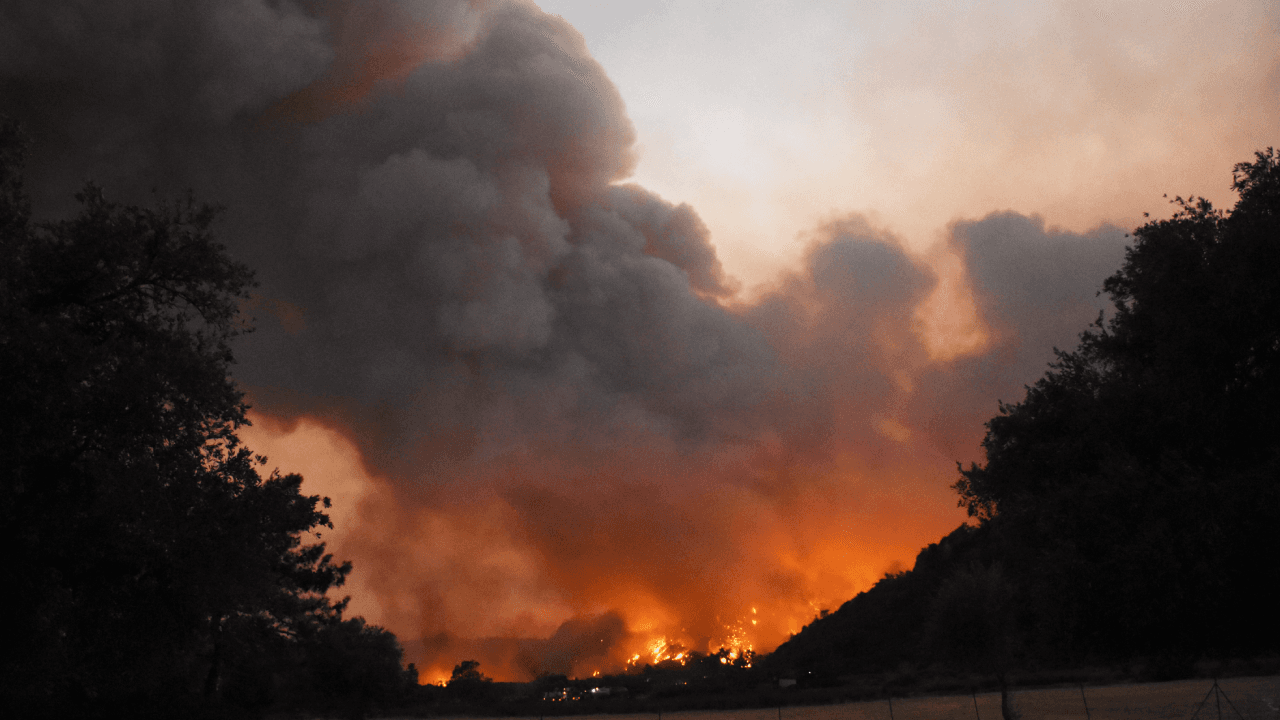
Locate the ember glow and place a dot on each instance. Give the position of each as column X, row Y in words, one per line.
column 570, row 423
column 659, row 650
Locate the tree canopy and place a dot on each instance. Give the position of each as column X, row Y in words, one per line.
column 1140, row 474
column 145, row 545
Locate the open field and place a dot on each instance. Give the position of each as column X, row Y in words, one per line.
column 1255, row 698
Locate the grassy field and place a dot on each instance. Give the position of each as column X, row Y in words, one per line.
column 1256, row 698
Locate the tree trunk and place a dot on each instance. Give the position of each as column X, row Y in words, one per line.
column 215, row 662
column 1006, row 711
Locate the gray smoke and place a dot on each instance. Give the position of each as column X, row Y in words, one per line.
column 452, row 275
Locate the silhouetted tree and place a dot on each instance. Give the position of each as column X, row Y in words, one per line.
column 467, row 682
column 350, row 667
column 140, row 532
column 1139, row 478
column 971, row 623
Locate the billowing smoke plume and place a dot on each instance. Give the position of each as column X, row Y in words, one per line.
column 556, row 438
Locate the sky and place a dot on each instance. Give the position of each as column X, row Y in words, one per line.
column 769, row 115
column 619, row 331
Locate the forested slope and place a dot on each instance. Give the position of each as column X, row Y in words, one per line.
column 1127, row 506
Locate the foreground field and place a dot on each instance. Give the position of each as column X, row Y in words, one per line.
column 1254, row 699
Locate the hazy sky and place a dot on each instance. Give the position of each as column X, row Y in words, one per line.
column 769, row 116
column 668, row 328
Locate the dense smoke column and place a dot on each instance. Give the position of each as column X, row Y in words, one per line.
column 555, row 418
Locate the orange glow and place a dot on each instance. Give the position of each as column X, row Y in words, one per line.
column 498, row 526
column 516, row 561
column 947, row 321
column 496, row 566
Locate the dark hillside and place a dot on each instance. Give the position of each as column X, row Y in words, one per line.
column 882, row 627
column 1128, row 505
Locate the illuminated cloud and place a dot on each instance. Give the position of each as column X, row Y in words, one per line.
column 768, row 115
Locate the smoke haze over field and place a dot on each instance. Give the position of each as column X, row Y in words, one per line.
column 553, row 430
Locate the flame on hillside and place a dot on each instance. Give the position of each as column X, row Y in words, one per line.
column 659, row 650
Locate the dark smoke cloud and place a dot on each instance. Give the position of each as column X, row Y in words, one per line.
column 1037, row 289
column 568, row 426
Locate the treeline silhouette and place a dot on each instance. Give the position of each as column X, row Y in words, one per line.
column 152, row 570
column 1128, row 507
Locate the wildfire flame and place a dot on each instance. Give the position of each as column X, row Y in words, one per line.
column 735, row 647
column 736, row 643
column 659, row 650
